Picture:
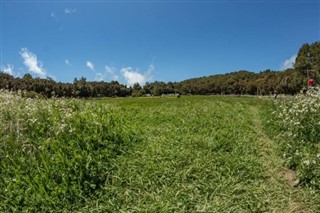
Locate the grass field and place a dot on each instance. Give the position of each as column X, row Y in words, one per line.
column 188, row 154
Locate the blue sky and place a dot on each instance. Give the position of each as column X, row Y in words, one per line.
column 139, row 41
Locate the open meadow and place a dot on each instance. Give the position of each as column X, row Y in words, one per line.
column 188, row 154
column 159, row 106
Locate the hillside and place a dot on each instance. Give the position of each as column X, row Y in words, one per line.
column 267, row 82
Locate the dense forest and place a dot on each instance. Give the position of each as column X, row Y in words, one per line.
column 290, row 81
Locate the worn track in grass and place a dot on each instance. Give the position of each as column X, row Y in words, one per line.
column 199, row 154
column 279, row 176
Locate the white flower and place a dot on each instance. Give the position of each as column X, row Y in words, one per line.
column 62, row 127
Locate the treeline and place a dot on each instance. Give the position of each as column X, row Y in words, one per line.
column 290, row 81
column 240, row 83
column 237, row 83
column 48, row 87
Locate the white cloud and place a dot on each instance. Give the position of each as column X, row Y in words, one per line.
column 134, row 76
column 289, row 63
column 109, row 74
column 31, row 62
column 129, row 74
column 69, row 11
column 110, row 71
column 67, row 62
column 90, row 65
column 8, row 69
column 150, row 71
column 54, row 15
column 99, row 77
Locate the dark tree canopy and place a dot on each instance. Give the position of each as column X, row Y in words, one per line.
column 266, row 82
column 308, row 60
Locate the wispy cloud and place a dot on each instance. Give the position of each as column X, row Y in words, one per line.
column 111, row 72
column 70, row 11
column 67, row 62
column 90, row 65
column 128, row 74
column 289, row 63
column 99, row 77
column 54, row 15
column 133, row 76
column 58, row 16
column 149, row 72
column 32, row 63
column 8, row 69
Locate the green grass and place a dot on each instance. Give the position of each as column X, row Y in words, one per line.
column 188, row 154
column 201, row 154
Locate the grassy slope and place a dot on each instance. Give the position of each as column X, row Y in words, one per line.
column 206, row 154
column 194, row 154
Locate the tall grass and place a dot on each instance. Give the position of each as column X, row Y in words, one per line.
column 188, row 154
column 56, row 154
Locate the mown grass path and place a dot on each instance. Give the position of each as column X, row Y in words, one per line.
column 199, row 154
column 297, row 199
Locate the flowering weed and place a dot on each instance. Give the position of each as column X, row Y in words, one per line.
column 298, row 119
column 56, row 154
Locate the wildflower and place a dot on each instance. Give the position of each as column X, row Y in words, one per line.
column 62, row 127
column 33, row 120
column 306, row 162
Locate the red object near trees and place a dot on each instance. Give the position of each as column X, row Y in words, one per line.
column 311, row 82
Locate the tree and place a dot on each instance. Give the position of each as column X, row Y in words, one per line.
column 27, row 76
column 136, row 90
column 308, row 60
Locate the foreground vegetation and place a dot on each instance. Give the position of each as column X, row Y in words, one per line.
column 189, row 154
column 296, row 124
column 56, row 154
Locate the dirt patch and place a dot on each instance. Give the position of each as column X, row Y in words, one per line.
column 291, row 177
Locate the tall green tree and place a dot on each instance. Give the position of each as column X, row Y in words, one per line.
column 308, row 60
